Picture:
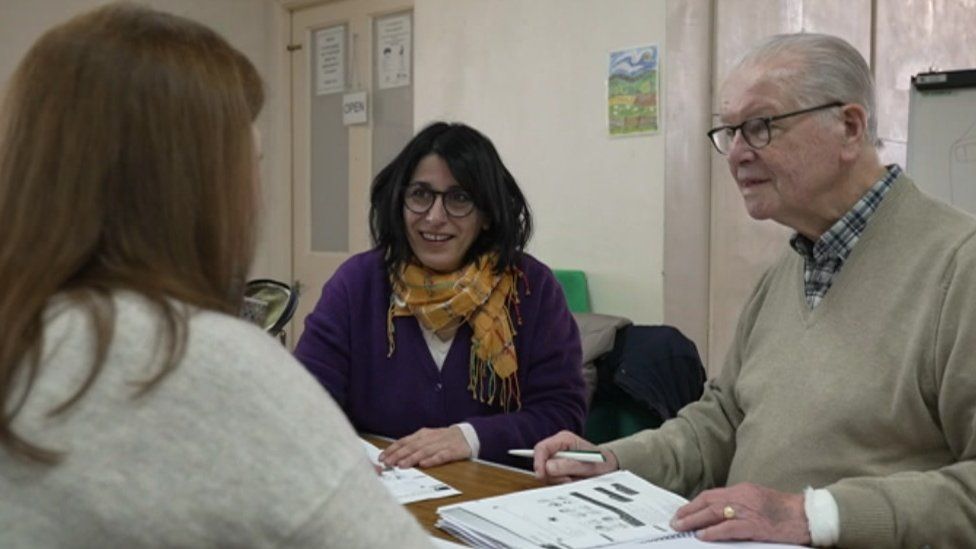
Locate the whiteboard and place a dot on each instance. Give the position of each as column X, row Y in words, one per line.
column 942, row 136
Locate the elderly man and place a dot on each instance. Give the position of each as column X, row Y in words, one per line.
column 846, row 410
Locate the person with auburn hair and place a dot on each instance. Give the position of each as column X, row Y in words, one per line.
column 447, row 336
column 138, row 410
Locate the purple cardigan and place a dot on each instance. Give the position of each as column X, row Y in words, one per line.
column 345, row 346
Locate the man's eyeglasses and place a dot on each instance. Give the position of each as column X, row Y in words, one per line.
column 757, row 132
column 419, row 199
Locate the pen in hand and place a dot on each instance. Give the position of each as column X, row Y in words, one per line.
column 591, row 456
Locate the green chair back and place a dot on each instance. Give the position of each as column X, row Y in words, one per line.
column 574, row 286
column 618, row 416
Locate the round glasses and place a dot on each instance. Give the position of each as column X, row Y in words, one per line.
column 419, row 199
column 757, row 132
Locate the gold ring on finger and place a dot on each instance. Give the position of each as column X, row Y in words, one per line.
column 728, row 512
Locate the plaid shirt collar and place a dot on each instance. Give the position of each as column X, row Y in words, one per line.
column 823, row 259
column 840, row 239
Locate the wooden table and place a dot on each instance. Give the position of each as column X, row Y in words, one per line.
column 475, row 480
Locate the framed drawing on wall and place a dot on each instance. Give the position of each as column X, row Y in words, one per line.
column 632, row 91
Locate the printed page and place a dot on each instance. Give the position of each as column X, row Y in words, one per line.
column 408, row 485
column 613, row 508
column 691, row 542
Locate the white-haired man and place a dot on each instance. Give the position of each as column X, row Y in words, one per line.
column 846, row 409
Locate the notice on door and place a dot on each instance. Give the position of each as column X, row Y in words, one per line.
column 393, row 49
column 330, row 60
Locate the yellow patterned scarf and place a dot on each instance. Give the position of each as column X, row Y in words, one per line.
column 478, row 296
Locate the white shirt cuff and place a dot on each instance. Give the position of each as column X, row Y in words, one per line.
column 823, row 517
column 471, row 436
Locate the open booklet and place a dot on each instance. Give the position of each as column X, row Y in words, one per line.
column 408, row 485
column 617, row 510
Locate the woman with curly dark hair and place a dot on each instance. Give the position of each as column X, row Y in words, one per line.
column 448, row 336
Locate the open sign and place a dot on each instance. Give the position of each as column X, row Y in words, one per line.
column 354, row 108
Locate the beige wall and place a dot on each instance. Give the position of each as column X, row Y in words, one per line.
column 254, row 27
column 532, row 76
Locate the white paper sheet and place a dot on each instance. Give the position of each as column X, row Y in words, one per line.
column 612, row 508
column 408, row 485
column 618, row 510
column 691, row 542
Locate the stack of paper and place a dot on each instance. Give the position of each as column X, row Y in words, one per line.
column 408, row 485
column 614, row 510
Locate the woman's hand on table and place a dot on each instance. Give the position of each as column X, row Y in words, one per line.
column 427, row 448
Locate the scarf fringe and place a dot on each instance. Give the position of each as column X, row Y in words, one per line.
column 483, row 382
column 486, row 386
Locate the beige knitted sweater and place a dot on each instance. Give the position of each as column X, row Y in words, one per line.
column 871, row 395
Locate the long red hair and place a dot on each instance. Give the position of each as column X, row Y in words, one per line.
column 126, row 162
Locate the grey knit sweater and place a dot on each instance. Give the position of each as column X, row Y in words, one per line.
column 238, row 447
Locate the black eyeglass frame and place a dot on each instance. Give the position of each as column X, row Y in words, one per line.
column 767, row 121
column 436, row 194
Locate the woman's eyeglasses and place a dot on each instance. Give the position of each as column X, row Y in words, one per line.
column 419, row 199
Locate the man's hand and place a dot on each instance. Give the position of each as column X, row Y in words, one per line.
column 745, row 512
column 560, row 470
column 427, row 448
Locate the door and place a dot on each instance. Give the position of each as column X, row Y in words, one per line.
column 341, row 48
